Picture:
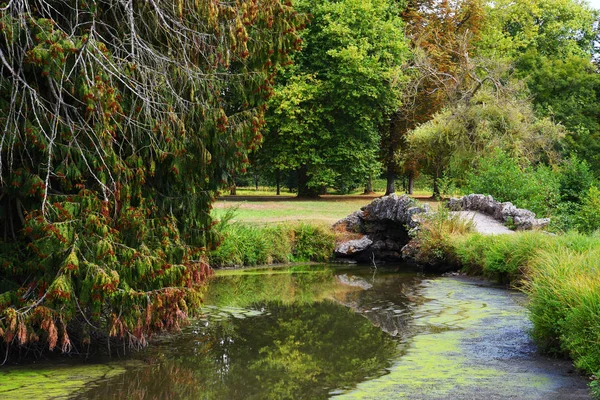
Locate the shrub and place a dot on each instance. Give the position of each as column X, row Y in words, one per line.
column 587, row 218
column 575, row 178
column 500, row 176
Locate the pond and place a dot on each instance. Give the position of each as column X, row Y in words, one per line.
column 316, row 332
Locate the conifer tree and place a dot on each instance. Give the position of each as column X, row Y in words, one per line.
column 120, row 121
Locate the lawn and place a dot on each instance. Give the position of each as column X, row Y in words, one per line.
column 271, row 209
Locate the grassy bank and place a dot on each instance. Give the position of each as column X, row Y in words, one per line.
column 249, row 245
column 560, row 274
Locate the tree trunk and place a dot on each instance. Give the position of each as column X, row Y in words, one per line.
column 391, row 181
column 233, row 188
column 411, row 183
column 278, row 181
column 303, row 189
column 436, row 186
column 369, row 185
column 256, row 182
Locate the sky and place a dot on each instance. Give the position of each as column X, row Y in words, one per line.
column 594, row 3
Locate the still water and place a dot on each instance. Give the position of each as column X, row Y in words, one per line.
column 317, row 332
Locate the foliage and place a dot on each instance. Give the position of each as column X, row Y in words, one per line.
column 575, row 178
column 548, row 27
column 587, row 218
column 120, row 122
column 250, row 245
column 499, row 175
column 457, row 137
column 326, row 113
column 441, row 33
column 566, row 89
column 551, row 45
column 595, row 385
column 433, row 240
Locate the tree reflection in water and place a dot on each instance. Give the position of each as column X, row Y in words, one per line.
column 305, row 343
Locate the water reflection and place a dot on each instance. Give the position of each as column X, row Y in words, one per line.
column 318, row 332
column 274, row 335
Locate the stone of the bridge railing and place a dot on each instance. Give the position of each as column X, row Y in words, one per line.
column 506, row 212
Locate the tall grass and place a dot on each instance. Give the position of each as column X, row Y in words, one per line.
column 434, row 238
column 564, row 287
column 249, row 245
column 499, row 257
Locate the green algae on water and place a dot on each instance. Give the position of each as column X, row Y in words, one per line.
column 52, row 382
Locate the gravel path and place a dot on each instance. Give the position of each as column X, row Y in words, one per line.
column 484, row 223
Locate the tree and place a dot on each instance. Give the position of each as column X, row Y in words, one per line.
column 440, row 33
column 326, row 113
column 121, row 120
column 551, row 44
column 453, row 141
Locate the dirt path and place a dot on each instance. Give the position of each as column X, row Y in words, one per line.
column 485, row 224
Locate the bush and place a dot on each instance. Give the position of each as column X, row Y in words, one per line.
column 500, row 176
column 575, row 178
column 587, row 218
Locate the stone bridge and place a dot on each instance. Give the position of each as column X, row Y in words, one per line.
column 386, row 223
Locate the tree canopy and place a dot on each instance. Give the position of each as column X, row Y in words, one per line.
column 551, row 45
column 326, row 112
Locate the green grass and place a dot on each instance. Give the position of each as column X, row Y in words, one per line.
column 327, row 210
column 250, row 245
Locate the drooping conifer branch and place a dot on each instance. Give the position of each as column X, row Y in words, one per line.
column 120, row 121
